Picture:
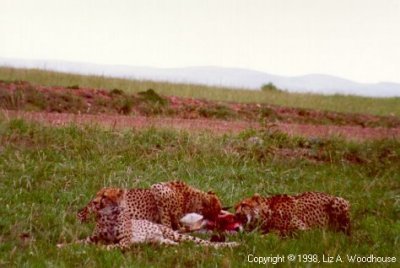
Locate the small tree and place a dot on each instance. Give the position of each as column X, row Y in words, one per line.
column 269, row 87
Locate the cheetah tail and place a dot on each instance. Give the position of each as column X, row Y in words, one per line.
column 202, row 242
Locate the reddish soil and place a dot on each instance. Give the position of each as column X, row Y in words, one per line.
column 115, row 109
column 212, row 125
column 21, row 95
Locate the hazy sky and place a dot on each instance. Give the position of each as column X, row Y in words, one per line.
column 355, row 39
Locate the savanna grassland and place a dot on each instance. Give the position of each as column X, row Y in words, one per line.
column 49, row 171
column 337, row 103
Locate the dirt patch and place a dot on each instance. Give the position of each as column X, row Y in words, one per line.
column 121, row 122
column 212, row 125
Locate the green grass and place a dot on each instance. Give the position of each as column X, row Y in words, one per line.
column 47, row 174
column 338, row 103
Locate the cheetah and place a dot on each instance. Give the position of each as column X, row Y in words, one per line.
column 116, row 228
column 140, row 204
column 286, row 214
column 175, row 199
column 164, row 203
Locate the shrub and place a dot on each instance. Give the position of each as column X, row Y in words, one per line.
column 150, row 103
column 73, row 87
column 152, row 97
column 117, row 91
column 65, row 102
column 218, row 111
column 35, row 98
column 11, row 100
column 270, row 87
column 123, row 104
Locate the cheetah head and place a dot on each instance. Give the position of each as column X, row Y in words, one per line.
column 248, row 210
column 105, row 198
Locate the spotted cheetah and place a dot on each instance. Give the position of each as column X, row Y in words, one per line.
column 116, row 228
column 285, row 214
column 164, row 203
column 175, row 199
column 140, row 204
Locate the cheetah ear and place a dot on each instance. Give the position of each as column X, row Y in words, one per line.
column 211, row 193
column 114, row 194
column 101, row 191
column 120, row 192
column 206, row 201
column 211, row 207
column 257, row 197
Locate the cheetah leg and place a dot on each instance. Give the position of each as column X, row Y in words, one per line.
column 298, row 224
column 163, row 203
column 123, row 244
column 155, row 238
column 113, row 246
column 116, row 246
column 161, row 241
column 340, row 216
column 175, row 236
column 165, row 216
column 342, row 223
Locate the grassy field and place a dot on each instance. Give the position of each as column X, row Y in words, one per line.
column 338, row 103
column 48, row 173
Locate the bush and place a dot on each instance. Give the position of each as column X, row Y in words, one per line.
column 73, row 87
column 151, row 103
column 217, row 111
column 127, row 106
column 35, row 98
column 151, row 96
column 117, row 91
column 270, row 87
column 123, row 104
column 11, row 100
column 61, row 102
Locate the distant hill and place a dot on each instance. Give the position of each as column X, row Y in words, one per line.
column 219, row 76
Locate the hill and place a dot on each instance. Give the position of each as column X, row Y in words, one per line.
column 220, row 77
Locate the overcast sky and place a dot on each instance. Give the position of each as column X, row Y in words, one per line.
column 355, row 39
